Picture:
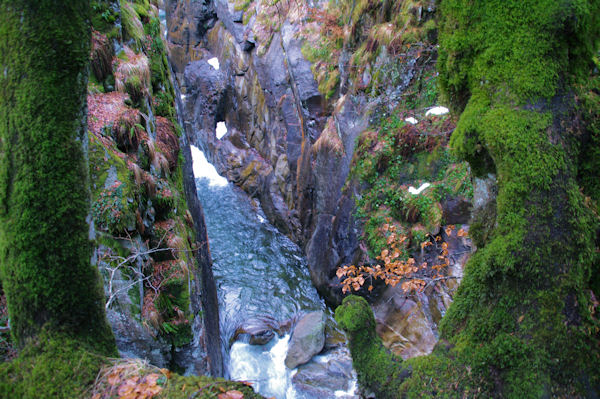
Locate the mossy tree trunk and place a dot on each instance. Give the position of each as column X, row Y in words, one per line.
column 522, row 323
column 44, row 248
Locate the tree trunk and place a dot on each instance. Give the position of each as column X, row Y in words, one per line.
column 44, row 248
column 522, row 323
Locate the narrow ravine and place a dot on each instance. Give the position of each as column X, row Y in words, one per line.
column 262, row 279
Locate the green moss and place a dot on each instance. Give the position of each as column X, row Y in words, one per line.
column 113, row 207
column 162, row 102
column 534, row 252
column 44, row 247
column 242, row 5
column 103, row 16
column 200, row 387
column 521, row 324
column 376, row 368
column 53, row 365
column 131, row 24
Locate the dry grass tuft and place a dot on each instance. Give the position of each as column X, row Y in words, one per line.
column 329, row 141
column 127, row 130
column 167, row 141
column 101, row 56
column 132, row 75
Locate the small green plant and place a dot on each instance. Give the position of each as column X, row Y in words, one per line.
column 108, row 210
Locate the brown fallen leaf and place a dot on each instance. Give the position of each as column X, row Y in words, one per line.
column 151, row 379
column 114, row 379
column 166, row 372
column 128, row 386
column 231, row 395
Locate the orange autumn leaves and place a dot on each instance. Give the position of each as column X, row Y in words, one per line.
column 137, row 379
column 124, row 383
column 395, row 267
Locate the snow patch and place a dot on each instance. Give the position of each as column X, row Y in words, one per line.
column 214, row 62
column 411, row 120
column 437, row 111
column 205, row 170
column 417, row 191
column 221, row 130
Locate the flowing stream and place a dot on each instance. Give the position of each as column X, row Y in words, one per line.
column 261, row 275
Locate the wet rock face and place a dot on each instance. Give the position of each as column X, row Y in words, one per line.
column 194, row 18
column 291, row 150
column 407, row 323
column 132, row 337
column 275, row 117
column 325, row 378
column 307, row 339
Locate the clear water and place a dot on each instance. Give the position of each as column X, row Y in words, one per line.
column 259, row 273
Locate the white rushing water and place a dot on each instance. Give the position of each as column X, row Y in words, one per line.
column 204, row 169
column 263, row 366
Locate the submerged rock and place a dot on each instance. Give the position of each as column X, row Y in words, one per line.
column 307, row 339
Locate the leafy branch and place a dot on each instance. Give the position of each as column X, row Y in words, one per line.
column 395, row 267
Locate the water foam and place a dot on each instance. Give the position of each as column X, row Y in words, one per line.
column 263, row 366
column 204, row 170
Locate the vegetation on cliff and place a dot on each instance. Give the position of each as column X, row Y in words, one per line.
column 523, row 323
column 141, row 230
column 144, row 231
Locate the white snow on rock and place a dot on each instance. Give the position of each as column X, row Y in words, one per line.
column 205, row 170
column 437, row 111
column 411, row 120
column 221, row 130
column 417, row 191
column 214, row 62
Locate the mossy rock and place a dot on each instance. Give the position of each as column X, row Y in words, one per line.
column 52, row 365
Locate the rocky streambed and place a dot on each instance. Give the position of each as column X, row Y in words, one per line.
column 277, row 333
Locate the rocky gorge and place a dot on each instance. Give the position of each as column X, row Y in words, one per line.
column 300, row 151
column 311, row 199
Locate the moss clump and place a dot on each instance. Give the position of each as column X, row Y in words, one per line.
column 179, row 387
column 377, row 369
column 133, row 29
column 52, row 365
column 103, row 15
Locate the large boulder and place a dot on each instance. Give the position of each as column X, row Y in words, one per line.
column 328, row 376
column 307, row 339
